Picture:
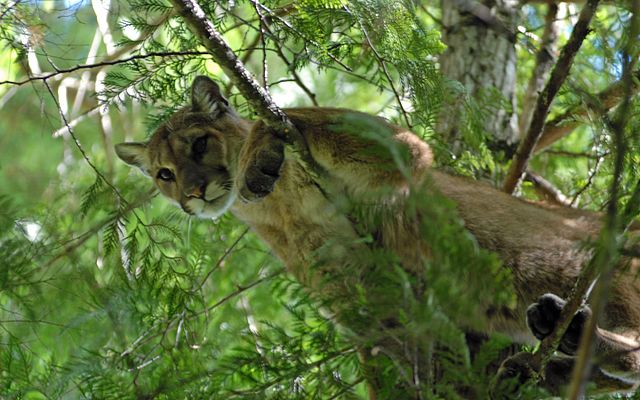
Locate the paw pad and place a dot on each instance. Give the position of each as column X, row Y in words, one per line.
column 542, row 318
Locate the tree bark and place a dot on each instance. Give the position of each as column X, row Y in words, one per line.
column 481, row 55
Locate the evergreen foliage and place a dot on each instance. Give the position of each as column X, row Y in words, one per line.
column 107, row 292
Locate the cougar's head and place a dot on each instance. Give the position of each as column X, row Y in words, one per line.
column 192, row 157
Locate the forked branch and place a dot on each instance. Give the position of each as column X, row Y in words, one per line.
column 543, row 103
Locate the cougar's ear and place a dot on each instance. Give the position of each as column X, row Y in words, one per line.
column 206, row 96
column 134, row 154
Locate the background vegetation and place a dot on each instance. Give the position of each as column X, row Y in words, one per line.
column 107, row 291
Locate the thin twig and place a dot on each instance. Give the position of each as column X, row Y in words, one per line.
column 9, row 8
column 592, row 174
column 543, row 103
column 79, row 145
column 304, row 37
column 223, row 257
column 572, row 154
column 280, row 12
column 263, row 40
column 239, row 290
column 72, row 123
column 101, row 64
column 74, row 243
column 346, row 389
column 292, row 71
column 385, row 70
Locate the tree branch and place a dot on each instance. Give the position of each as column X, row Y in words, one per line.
column 566, row 122
column 101, row 64
column 558, row 76
column 257, row 97
column 545, row 58
column 547, row 191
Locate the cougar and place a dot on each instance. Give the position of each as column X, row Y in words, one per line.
column 209, row 160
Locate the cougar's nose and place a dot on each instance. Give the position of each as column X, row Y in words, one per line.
column 196, row 192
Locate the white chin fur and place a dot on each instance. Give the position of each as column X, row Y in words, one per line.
column 203, row 209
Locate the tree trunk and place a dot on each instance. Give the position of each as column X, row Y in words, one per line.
column 481, row 55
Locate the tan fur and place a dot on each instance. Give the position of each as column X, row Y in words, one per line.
column 541, row 245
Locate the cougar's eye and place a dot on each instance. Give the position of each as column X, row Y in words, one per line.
column 165, row 174
column 199, row 146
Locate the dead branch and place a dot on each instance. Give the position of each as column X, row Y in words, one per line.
column 545, row 58
column 558, row 75
column 573, row 154
column 257, row 97
column 546, row 190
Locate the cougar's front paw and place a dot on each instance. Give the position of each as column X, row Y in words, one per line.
column 543, row 315
column 262, row 171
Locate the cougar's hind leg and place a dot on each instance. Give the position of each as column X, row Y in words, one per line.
column 618, row 335
column 619, row 352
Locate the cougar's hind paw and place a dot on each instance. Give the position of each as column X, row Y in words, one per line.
column 571, row 338
column 543, row 316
